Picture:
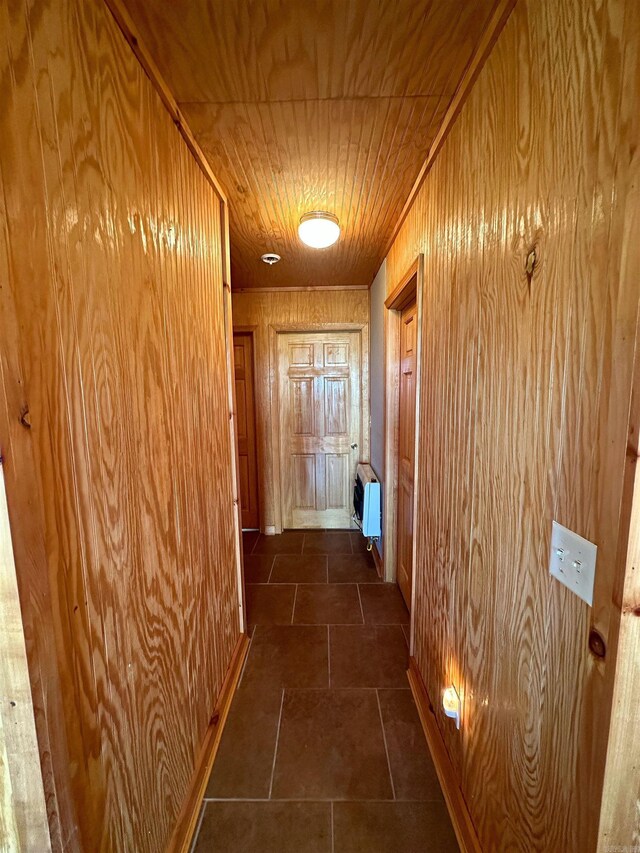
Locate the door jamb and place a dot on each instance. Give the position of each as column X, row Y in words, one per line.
column 409, row 286
column 251, row 330
column 284, row 328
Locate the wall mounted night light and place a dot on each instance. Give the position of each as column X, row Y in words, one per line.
column 451, row 704
column 319, row 229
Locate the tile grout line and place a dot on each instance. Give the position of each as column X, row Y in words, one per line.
column 386, row 748
column 254, row 544
column 273, row 563
column 275, row 750
column 308, row 800
column 333, row 841
column 246, row 657
column 329, row 655
column 198, row 825
column 360, row 600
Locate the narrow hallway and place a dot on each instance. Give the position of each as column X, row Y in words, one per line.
column 323, row 749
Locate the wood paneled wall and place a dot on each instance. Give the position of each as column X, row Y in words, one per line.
column 304, row 309
column 119, row 477
column 525, row 414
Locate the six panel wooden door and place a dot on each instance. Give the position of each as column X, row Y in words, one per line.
column 406, row 451
column 246, row 428
column 320, row 414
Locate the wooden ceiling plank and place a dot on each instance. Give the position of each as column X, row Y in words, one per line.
column 323, row 105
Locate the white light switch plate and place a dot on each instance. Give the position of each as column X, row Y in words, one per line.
column 573, row 561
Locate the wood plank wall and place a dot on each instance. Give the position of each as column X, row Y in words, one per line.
column 119, row 477
column 525, row 412
column 261, row 311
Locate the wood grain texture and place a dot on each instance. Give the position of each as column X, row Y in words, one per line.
column 317, row 105
column 620, row 813
column 320, row 430
column 113, row 257
column 23, row 809
column 310, row 310
column 525, row 406
column 244, row 370
column 407, row 290
column 405, row 450
column 187, row 822
column 458, row 811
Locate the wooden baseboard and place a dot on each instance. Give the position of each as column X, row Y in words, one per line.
column 458, row 811
column 187, row 820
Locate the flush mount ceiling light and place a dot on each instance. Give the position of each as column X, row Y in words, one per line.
column 270, row 258
column 319, row 229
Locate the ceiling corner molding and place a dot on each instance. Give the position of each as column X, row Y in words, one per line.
column 323, row 287
column 503, row 9
column 132, row 36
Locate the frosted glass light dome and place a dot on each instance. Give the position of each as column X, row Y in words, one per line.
column 319, row 229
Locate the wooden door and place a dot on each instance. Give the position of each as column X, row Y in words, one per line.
column 246, row 428
column 406, row 450
column 320, row 415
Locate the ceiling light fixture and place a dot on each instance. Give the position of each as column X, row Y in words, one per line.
column 270, row 258
column 319, row 229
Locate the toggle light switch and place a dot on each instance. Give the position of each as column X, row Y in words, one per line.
column 573, row 561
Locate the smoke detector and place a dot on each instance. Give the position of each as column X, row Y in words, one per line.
column 270, row 258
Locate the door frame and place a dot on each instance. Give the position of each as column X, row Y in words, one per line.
column 251, row 331
column 409, row 287
column 288, row 328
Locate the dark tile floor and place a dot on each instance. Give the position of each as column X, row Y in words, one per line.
column 323, row 749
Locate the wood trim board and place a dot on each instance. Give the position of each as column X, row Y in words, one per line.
column 187, row 821
column 23, row 810
column 409, row 286
column 458, row 811
column 401, row 295
column 324, row 287
column 131, row 34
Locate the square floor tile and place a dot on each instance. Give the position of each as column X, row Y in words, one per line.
column 244, row 761
column 414, row 775
column 327, row 604
column 287, row 656
column 331, row 746
column 383, row 604
column 393, row 827
column 359, row 543
column 307, row 568
column 324, row 542
column 252, row 827
column 368, row 656
column 289, row 542
column 352, row 568
column 257, row 567
column 269, row 604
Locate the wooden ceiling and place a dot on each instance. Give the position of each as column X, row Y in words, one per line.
column 299, row 106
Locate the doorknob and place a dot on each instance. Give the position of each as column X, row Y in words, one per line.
column 353, row 446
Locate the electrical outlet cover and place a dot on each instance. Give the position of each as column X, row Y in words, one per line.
column 573, row 561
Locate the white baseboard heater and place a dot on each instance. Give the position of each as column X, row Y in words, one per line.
column 366, row 503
